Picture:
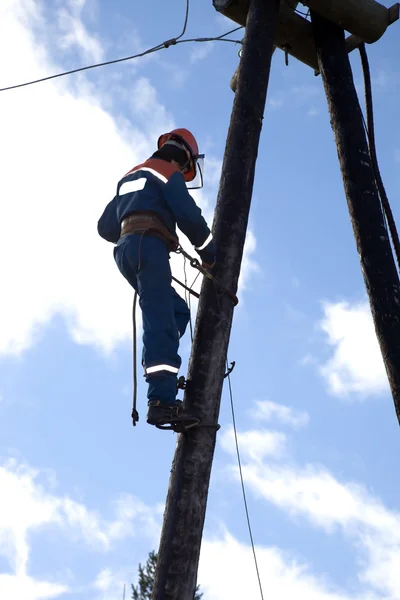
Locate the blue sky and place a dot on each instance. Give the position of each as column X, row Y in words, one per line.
column 81, row 491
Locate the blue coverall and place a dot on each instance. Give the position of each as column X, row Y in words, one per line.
column 156, row 186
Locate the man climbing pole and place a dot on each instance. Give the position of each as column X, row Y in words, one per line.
column 151, row 200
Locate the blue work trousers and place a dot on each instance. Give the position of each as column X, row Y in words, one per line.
column 144, row 261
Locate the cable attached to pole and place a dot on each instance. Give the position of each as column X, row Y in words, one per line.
column 227, row 375
column 246, row 508
column 372, row 150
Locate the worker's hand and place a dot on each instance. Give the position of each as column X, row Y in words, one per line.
column 207, row 266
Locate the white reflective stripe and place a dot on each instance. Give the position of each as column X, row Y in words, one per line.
column 208, row 240
column 155, row 173
column 132, row 186
column 161, row 368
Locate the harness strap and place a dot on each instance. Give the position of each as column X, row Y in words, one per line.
column 147, row 223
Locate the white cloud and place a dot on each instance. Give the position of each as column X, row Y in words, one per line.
column 356, row 366
column 249, row 265
column 256, row 444
column 110, row 584
column 268, row 411
column 62, row 154
column 234, row 577
column 275, row 102
column 75, row 34
column 348, row 508
column 26, row 506
column 25, row 588
column 345, row 508
column 313, row 112
column 201, row 51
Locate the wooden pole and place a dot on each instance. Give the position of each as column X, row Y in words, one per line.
column 184, row 516
column 371, row 235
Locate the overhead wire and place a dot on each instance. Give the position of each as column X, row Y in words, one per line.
column 164, row 45
column 370, row 130
column 185, row 21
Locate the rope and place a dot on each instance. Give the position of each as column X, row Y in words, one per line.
column 135, row 416
column 370, row 129
column 246, row 508
column 244, row 495
column 187, row 298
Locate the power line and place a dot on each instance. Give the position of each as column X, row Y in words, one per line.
column 185, row 21
column 162, row 46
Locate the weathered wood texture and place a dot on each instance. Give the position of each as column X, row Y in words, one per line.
column 373, row 245
column 366, row 19
column 188, row 488
column 293, row 31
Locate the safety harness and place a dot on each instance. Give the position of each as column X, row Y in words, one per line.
column 149, row 223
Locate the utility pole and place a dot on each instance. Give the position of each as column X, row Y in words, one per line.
column 184, row 516
column 369, row 226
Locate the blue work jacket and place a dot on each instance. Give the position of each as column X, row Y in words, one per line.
column 158, row 186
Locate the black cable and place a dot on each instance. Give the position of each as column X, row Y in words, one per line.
column 166, row 44
column 372, row 149
column 134, row 410
column 246, row 508
column 186, row 21
column 243, row 487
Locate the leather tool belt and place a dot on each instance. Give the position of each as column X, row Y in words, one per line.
column 147, row 223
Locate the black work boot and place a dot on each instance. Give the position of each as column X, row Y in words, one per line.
column 170, row 416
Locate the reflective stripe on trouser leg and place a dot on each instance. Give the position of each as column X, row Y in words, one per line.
column 158, row 368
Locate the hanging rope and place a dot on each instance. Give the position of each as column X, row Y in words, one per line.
column 244, row 495
column 135, row 414
column 188, row 302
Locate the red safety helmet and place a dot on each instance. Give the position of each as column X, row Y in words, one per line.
column 188, row 140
